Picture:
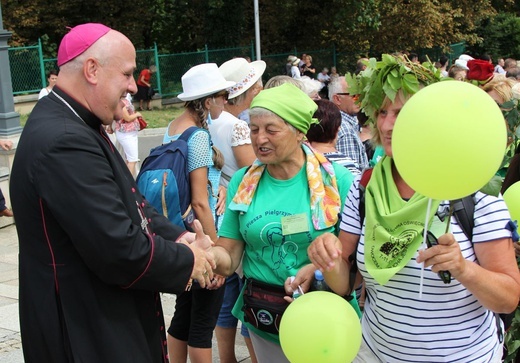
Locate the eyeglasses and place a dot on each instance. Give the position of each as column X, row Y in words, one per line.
column 431, row 241
column 224, row 94
column 354, row 97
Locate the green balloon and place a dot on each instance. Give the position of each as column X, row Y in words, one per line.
column 512, row 199
column 320, row 327
column 449, row 140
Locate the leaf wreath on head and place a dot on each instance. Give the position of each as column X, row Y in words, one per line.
column 385, row 78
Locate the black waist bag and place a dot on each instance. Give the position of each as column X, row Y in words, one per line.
column 264, row 305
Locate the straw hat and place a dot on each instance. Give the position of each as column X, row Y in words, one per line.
column 244, row 73
column 201, row 81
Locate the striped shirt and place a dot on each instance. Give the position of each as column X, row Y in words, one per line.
column 448, row 324
column 344, row 161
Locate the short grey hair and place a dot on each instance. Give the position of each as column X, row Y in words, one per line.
column 279, row 80
column 335, row 87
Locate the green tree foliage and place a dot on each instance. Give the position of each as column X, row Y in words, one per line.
column 361, row 27
column 30, row 20
column 408, row 25
column 500, row 37
column 511, row 6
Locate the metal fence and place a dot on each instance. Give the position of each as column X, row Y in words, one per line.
column 29, row 68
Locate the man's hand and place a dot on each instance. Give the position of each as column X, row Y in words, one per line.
column 203, row 260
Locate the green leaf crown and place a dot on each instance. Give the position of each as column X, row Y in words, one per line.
column 385, row 78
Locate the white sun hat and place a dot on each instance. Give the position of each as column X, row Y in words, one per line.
column 244, row 73
column 202, row 80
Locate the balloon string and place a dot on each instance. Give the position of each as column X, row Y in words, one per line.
column 424, row 246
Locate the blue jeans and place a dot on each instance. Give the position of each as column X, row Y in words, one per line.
column 225, row 318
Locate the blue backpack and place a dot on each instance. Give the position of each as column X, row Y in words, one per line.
column 164, row 180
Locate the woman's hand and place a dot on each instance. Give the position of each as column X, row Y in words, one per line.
column 302, row 280
column 198, row 238
column 494, row 280
column 325, row 251
column 446, row 256
column 221, row 202
column 216, row 282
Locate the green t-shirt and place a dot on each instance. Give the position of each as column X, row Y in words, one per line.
column 269, row 256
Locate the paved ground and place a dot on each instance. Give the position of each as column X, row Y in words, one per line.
column 10, row 342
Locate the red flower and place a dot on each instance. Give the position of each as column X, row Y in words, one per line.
column 479, row 70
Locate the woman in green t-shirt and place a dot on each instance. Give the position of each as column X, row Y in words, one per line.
column 277, row 207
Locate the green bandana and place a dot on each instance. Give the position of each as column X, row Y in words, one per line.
column 290, row 103
column 393, row 226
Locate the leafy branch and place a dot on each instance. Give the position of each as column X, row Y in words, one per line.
column 386, row 78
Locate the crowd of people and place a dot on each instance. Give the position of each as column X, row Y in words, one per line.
column 275, row 178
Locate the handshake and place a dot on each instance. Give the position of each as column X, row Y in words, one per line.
column 203, row 259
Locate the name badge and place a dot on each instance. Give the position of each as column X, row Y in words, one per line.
column 297, row 223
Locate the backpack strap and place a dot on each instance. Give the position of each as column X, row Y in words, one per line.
column 363, row 182
column 463, row 210
column 365, row 178
column 186, row 134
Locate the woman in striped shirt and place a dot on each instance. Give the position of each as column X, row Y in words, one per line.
column 448, row 322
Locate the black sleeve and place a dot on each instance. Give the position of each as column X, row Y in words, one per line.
column 100, row 212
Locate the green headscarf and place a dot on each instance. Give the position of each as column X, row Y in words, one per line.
column 290, row 103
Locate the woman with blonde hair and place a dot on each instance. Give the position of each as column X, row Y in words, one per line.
column 502, row 90
column 453, row 321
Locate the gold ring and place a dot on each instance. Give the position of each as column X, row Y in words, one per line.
column 205, row 273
